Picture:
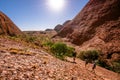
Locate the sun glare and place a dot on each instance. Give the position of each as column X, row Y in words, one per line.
column 56, row 5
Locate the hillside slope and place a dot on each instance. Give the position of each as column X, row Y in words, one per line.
column 7, row 27
column 96, row 26
column 39, row 65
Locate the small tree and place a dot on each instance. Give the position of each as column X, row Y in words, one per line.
column 59, row 50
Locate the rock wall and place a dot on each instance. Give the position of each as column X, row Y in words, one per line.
column 96, row 26
column 7, row 27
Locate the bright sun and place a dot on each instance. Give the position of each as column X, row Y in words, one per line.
column 56, row 5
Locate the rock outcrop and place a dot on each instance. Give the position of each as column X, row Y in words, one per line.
column 96, row 26
column 60, row 27
column 49, row 30
column 7, row 27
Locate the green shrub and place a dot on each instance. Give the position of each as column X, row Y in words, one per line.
column 48, row 43
column 60, row 50
column 102, row 63
column 81, row 55
column 116, row 66
column 70, row 51
column 89, row 54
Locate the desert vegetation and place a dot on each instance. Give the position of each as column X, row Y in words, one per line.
column 89, row 54
column 113, row 65
column 26, row 47
column 61, row 50
column 50, row 55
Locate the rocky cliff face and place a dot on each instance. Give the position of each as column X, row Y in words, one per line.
column 7, row 27
column 96, row 26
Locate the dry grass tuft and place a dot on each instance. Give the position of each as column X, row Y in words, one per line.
column 20, row 51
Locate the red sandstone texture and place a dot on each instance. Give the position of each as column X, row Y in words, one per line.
column 7, row 27
column 59, row 27
column 96, row 26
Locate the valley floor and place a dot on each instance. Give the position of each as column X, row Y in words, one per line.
column 39, row 65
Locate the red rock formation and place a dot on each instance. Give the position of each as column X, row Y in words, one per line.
column 60, row 27
column 96, row 26
column 7, row 27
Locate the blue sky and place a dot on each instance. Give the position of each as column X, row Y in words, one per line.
column 36, row 15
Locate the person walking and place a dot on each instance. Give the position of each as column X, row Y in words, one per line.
column 74, row 56
column 94, row 65
column 86, row 62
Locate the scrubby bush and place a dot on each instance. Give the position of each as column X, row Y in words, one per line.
column 30, row 38
column 103, row 63
column 27, row 38
column 89, row 54
column 81, row 55
column 70, row 51
column 48, row 43
column 60, row 50
column 115, row 65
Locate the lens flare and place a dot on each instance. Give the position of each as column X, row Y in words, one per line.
column 56, row 5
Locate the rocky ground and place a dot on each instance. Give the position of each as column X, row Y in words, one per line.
column 39, row 65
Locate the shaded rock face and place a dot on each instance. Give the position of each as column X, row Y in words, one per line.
column 96, row 26
column 49, row 30
column 7, row 27
column 59, row 27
